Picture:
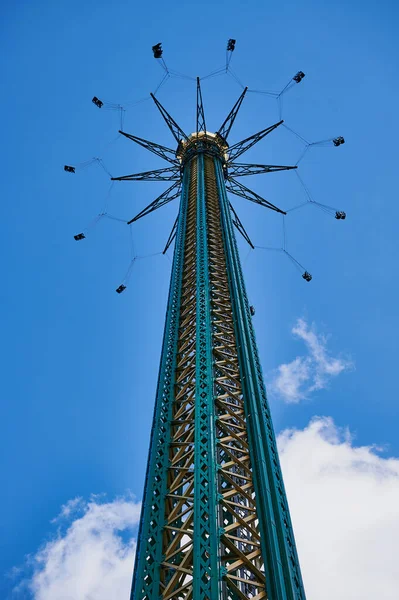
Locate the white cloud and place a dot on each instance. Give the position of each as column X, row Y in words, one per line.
column 344, row 503
column 290, row 378
column 90, row 559
column 70, row 508
column 294, row 381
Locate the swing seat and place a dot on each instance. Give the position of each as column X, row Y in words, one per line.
column 307, row 276
column 338, row 141
column 299, row 76
column 157, row 50
column 97, row 102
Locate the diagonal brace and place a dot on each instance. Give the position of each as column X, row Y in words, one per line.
column 240, row 227
column 238, row 189
column 171, row 236
column 224, row 129
column 241, row 169
column 177, row 132
column 167, row 174
column 168, row 195
column 237, row 149
column 162, row 151
column 200, row 109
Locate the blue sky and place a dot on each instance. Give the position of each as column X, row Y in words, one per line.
column 79, row 361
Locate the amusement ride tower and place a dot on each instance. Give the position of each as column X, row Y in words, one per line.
column 215, row 523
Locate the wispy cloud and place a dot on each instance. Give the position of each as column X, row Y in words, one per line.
column 294, row 381
column 90, row 557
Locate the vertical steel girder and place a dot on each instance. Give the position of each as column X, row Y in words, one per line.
column 215, row 523
column 206, row 563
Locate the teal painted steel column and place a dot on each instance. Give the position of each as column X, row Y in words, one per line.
column 149, row 545
column 283, row 576
column 206, row 579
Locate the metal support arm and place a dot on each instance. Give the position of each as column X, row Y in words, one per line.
column 200, row 109
column 162, row 151
column 237, row 149
column 177, row 132
column 241, row 169
column 240, row 227
column 228, row 122
column 171, row 236
column 238, row 189
column 168, row 195
column 167, row 174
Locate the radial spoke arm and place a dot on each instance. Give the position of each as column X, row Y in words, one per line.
column 228, row 123
column 167, row 174
column 240, row 227
column 168, row 195
column 237, row 149
column 241, row 169
column 238, row 189
column 162, row 151
column 200, row 109
column 171, row 236
column 177, row 132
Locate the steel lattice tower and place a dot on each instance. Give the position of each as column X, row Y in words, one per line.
column 215, row 522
